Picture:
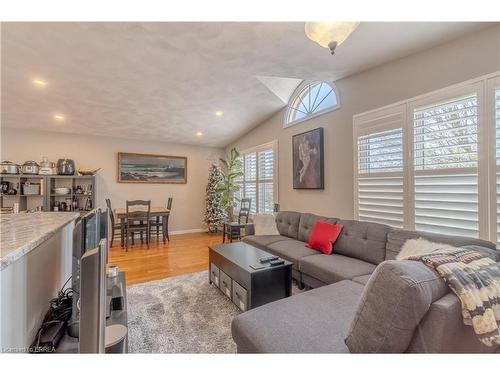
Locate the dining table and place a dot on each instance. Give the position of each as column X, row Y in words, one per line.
column 156, row 212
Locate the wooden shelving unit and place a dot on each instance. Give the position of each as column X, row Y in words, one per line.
column 26, row 201
column 47, row 197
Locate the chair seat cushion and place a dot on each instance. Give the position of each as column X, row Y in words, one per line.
column 332, row 268
column 263, row 241
column 235, row 224
column 291, row 250
column 316, row 321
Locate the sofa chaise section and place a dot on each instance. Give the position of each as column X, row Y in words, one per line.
column 316, row 321
column 418, row 315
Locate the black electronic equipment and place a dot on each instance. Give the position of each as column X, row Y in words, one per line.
column 89, row 230
column 268, row 258
column 276, row 262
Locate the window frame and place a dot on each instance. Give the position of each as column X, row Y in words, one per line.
column 490, row 117
column 310, row 116
column 484, row 87
column 266, row 146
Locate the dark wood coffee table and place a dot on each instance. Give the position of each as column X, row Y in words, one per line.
column 230, row 271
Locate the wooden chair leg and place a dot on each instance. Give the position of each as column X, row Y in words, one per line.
column 166, row 228
column 112, row 236
column 148, row 235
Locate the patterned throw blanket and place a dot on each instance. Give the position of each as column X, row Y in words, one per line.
column 475, row 279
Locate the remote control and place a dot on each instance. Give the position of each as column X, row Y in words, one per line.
column 268, row 259
column 257, row 266
column 276, row 262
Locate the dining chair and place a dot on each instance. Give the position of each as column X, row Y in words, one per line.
column 138, row 220
column 233, row 229
column 161, row 223
column 115, row 228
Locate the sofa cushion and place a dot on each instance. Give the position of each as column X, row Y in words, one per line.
column 316, row 321
column 397, row 237
column 363, row 280
column 288, row 223
column 291, row 250
column 332, row 268
column 307, row 222
column 394, row 301
column 263, row 241
column 362, row 240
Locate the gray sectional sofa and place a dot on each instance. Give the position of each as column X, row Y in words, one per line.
column 362, row 301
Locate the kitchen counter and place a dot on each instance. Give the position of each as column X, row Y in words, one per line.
column 36, row 253
column 23, row 232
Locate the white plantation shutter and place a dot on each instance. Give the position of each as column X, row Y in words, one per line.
column 259, row 180
column 265, row 186
column 380, row 177
column 497, row 153
column 445, row 144
column 250, row 179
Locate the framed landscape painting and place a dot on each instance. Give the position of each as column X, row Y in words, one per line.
column 308, row 170
column 154, row 169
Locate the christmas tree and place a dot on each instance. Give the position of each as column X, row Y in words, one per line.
column 214, row 212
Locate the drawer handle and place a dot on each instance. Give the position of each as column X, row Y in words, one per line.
column 223, row 282
column 238, row 295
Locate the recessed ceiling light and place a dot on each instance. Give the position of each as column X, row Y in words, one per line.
column 199, row 134
column 59, row 117
column 219, row 113
column 39, row 82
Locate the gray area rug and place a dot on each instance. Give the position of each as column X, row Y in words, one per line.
column 182, row 314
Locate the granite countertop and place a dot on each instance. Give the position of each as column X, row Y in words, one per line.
column 21, row 233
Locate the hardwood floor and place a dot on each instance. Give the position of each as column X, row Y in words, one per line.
column 185, row 253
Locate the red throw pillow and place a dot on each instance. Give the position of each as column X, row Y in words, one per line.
column 323, row 236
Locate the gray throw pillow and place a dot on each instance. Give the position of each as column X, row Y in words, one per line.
column 393, row 303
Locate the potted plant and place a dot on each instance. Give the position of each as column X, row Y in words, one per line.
column 231, row 171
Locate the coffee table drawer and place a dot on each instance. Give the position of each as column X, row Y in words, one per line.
column 225, row 284
column 214, row 274
column 240, row 298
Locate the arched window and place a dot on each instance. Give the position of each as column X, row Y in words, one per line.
column 309, row 100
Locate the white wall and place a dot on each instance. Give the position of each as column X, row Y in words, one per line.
column 98, row 151
column 468, row 57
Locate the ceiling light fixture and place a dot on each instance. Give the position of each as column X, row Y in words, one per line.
column 329, row 34
column 219, row 113
column 59, row 117
column 199, row 134
column 39, row 82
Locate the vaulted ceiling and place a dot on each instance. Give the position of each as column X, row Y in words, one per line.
column 165, row 81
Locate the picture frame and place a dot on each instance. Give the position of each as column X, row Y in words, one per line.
column 308, row 160
column 151, row 168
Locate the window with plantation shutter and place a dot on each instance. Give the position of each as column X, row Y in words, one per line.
column 250, row 179
column 265, row 187
column 380, row 177
column 432, row 163
column 259, row 180
column 497, row 154
column 445, row 144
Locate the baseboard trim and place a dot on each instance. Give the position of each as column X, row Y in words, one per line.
column 185, row 231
